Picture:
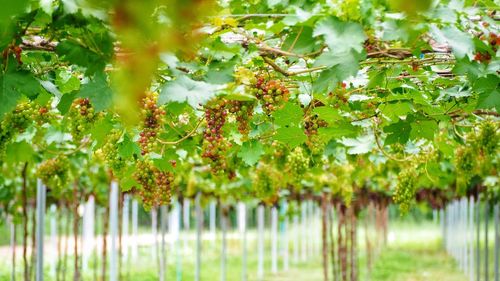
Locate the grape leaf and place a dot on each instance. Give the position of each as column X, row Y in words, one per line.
column 397, row 132
column 360, row 145
column 327, row 113
column 396, row 110
column 185, row 89
column 98, row 91
column 423, row 129
column 250, row 152
column 13, row 85
column 341, row 37
column 127, row 148
column 19, row 152
column 290, row 114
column 291, row 136
column 461, row 43
column 101, row 130
column 489, row 95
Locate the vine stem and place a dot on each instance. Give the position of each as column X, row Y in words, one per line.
column 192, row 132
column 377, row 141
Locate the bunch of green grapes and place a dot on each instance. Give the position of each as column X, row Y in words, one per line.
column 297, row 163
column 404, row 194
column 82, row 116
column 311, row 126
column 348, row 10
column 465, row 164
column 18, row 121
column 110, row 152
column 152, row 116
column 266, row 181
column 54, row 172
column 156, row 185
column 272, row 94
column 243, row 110
column 487, row 139
column 215, row 145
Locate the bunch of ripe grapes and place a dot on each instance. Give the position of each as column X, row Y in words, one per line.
column 156, row 185
column 272, row 94
column 215, row 145
column 243, row 110
column 152, row 116
column 311, row 126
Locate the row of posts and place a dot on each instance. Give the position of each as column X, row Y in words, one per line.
column 302, row 228
column 469, row 238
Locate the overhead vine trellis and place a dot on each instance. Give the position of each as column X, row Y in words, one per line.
column 351, row 102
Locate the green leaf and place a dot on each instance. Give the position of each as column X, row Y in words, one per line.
column 398, row 132
column 303, row 44
column 127, row 148
column 290, row 114
column 13, row 85
column 291, row 136
column 78, row 54
column 461, row 43
column 250, row 152
column 98, row 91
column 394, row 111
column 489, row 95
column 337, row 130
column 185, row 89
column 65, row 102
column 19, row 152
column 101, row 129
column 164, row 161
column 360, row 145
column 327, row 113
column 423, row 129
column 341, row 37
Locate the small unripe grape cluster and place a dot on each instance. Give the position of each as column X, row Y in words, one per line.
column 297, row 163
column 156, row 185
column 272, row 94
column 214, row 143
column 487, row 139
column 311, row 126
column 404, row 194
column 339, row 97
column 82, row 117
column 152, row 116
column 266, row 181
column 110, row 153
column 54, row 172
column 243, row 110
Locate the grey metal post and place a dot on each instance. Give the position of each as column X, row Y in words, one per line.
column 471, row 239
column 478, row 240
column 40, row 228
column 224, row 242
column 260, row 242
column 497, row 242
column 113, row 226
column 486, row 246
column 199, row 225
